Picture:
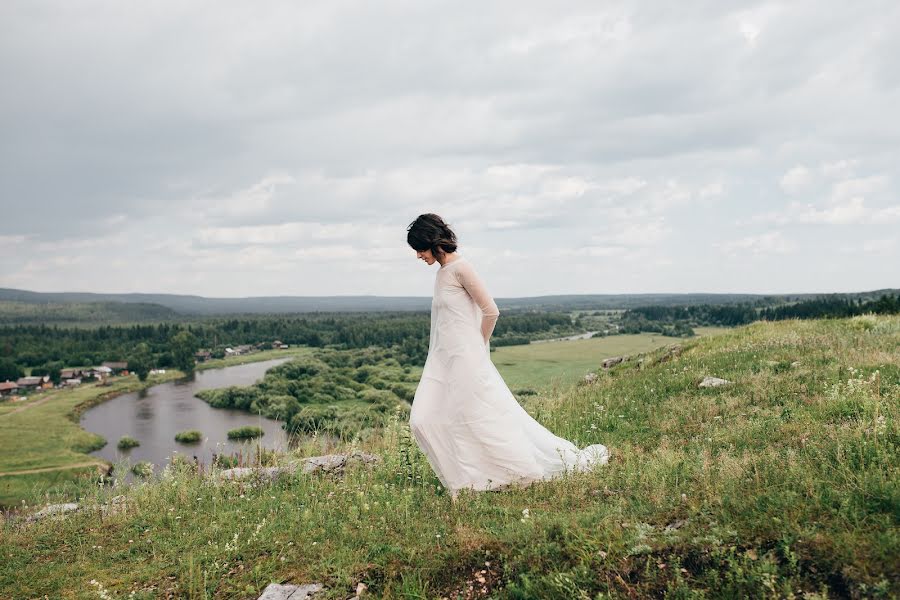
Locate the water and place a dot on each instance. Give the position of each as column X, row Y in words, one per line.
column 153, row 417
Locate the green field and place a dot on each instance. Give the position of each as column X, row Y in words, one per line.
column 783, row 484
column 553, row 364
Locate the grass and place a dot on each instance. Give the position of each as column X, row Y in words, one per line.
column 783, row 484
column 47, row 435
column 127, row 442
column 247, row 432
column 191, row 436
column 562, row 363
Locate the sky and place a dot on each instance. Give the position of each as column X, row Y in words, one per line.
column 237, row 149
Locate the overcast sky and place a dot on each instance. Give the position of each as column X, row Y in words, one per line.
column 282, row 148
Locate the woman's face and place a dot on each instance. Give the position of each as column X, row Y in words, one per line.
column 426, row 256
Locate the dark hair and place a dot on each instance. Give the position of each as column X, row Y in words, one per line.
column 429, row 232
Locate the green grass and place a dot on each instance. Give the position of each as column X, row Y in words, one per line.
column 783, row 484
column 191, row 436
column 562, row 363
column 247, row 432
column 127, row 442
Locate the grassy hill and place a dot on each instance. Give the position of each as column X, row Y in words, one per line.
column 784, row 483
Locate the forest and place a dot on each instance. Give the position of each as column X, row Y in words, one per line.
column 678, row 320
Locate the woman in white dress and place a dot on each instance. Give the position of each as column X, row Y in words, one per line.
column 465, row 419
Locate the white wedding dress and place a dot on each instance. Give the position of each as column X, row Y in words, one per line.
column 464, row 417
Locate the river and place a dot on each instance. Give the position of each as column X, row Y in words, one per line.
column 153, row 417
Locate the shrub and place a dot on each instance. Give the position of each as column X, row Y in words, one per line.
column 245, row 433
column 142, row 469
column 128, row 442
column 191, row 436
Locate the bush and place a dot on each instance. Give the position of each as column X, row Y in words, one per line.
column 191, row 436
column 142, row 469
column 128, row 442
column 245, row 433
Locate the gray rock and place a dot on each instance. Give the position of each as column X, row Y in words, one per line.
column 54, row 510
column 611, row 362
column 328, row 463
column 269, row 473
column 713, row 382
column 277, row 591
column 335, row 463
column 590, row 378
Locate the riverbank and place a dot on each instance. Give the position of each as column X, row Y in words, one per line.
column 781, row 483
column 43, row 434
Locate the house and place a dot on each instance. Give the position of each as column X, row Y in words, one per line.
column 31, row 382
column 100, row 372
column 71, row 373
column 8, row 388
column 203, row 355
column 278, row 344
column 117, row 366
column 73, row 382
column 283, row 346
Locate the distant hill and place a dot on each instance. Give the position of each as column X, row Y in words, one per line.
column 23, row 306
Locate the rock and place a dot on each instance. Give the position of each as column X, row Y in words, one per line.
column 277, row 591
column 269, row 473
column 335, row 463
column 54, row 510
column 590, row 378
column 610, row 362
column 713, row 382
column 328, row 463
column 670, row 353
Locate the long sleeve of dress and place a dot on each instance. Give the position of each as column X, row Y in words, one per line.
column 468, row 277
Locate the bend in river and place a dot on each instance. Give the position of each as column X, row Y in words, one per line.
column 153, row 417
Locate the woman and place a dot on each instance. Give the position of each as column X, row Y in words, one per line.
column 464, row 417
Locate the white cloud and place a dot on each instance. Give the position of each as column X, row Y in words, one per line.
column 772, row 242
column 796, row 179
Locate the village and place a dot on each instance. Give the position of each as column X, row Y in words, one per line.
column 23, row 387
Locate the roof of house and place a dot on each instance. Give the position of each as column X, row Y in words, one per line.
column 116, row 365
column 30, row 380
column 8, row 385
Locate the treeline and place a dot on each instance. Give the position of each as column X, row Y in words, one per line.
column 37, row 345
column 681, row 318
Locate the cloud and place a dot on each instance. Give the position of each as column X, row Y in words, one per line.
column 286, row 146
column 772, row 242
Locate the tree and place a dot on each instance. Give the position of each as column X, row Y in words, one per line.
column 53, row 369
column 183, row 346
column 9, row 370
column 141, row 361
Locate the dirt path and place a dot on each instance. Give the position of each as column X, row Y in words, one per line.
column 48, row 469
column 19, row 409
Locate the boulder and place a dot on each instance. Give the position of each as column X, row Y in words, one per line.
column 277, row 591
column 713, row 382
column 54, row 510
column 269, row 473
column 335, row 463
column 611, row 362
column 590, row 378
column 328, row 463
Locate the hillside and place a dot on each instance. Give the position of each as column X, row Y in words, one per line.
column 783, row 483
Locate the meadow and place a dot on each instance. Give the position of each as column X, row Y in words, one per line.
column 780, row 484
